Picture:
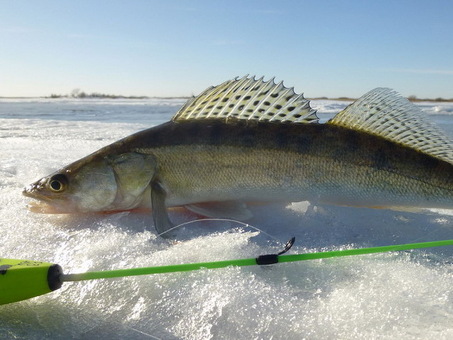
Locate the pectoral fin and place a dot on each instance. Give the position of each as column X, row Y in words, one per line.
column 161, row 220
column 228, row 209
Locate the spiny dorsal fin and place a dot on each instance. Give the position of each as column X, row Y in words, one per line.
column 382, row 112
column 251, row 99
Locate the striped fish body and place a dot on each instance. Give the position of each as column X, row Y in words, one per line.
column 255, row 161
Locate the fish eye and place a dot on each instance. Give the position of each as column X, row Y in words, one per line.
column 58, row 183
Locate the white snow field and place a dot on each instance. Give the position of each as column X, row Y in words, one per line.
column 399, row 295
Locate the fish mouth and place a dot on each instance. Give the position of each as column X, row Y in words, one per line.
column 30, row 194
column 43, row 208
column 43, row 204
column 32, row 191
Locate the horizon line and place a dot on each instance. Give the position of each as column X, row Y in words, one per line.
column 133, row 97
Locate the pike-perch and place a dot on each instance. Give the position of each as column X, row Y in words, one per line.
column 250, row 140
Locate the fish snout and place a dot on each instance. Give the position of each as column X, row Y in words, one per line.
column 32, row 189
column 27, row 190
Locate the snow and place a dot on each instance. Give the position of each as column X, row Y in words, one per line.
column 404, row 295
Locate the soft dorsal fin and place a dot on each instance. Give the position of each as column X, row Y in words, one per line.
column 382, row 112
column 251, row 99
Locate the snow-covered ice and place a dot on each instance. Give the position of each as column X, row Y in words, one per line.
column 404, row 295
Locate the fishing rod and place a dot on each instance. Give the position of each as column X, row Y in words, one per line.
column 25, row 279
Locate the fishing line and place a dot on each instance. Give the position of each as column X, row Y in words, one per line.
column 243, row 224
column 143, row 333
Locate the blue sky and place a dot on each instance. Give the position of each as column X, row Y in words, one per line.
column 178, row 48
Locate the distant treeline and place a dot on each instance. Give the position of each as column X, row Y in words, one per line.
column 439, row 99
column 411, row 98
column 77, row 93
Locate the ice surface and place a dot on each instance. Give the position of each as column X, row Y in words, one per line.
column 404, row 295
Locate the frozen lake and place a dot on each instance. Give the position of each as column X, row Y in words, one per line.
column 404, row 295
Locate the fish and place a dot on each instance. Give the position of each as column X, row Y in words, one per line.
column 251, row 140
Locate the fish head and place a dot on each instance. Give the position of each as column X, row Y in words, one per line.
column 96, row 183
column 90, row 187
